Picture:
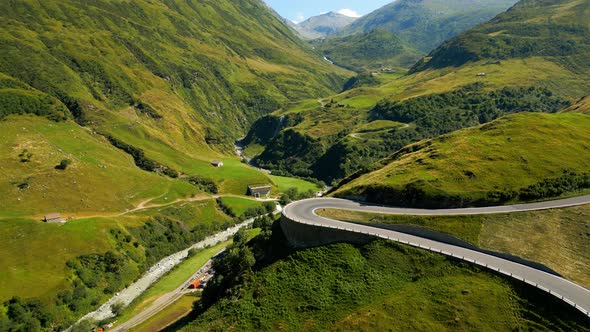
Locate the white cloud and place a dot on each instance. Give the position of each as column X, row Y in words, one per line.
column 348, row 12
column 300, row 17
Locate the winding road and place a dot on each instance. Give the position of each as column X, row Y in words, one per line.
column 303, row 212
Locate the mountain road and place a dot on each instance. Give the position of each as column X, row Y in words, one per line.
column 304, row 212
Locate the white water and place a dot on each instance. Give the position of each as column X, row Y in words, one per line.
column 127, row 295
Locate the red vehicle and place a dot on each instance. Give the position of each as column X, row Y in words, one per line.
column 195, row 284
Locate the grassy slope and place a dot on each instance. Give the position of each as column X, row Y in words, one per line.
column 383, row 286
column 368, row 51
column 30, row 253
column 36, row 253
column 582, row 106
column 239, row 205
column 181, row 92
column 284, row 183
column 194, row 68
column 100, row 178
column 556, row 238
column 554, row 29
column 564, row 76
column 507, row 154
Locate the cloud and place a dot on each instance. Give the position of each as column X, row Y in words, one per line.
column 300, row 17
column 348, row 12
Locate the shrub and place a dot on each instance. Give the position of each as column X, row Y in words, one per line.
column 138, row 155
column 117, row 307
column 203, row 183
column 63, row 164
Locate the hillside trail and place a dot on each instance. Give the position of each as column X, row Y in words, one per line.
column 356, row 135
column 144, row 205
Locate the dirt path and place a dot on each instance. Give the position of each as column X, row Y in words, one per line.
column 356, row 135
column 142, row 205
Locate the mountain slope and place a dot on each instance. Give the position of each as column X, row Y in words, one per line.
column 365, row 124
column 517, row 158
column 424, row 24
column 557, row 30
column 178, row 65
column 110, row 114
column 368, row 51
column 346, row 132
column 582, row 106
column 323, row 25
column 380, row 286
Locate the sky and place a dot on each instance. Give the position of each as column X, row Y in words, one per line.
column 300, row 10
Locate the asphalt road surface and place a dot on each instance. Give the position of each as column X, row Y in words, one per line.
column 304, row 212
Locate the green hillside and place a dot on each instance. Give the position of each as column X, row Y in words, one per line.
column 77, row 266
column 424, row 24
column 557, row 30
column 110, row 114
column 516, row 158
column 368, row 51
column 327, row 139
column 162, row 66
column 380, row 286
column 100, row 178
column 353, row 129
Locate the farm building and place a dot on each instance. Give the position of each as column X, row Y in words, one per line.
column 217, row 163
column 259, row 191
column 54, row 218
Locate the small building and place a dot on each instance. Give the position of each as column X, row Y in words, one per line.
column 217, row 163
column 481, row 75
column 259, row 191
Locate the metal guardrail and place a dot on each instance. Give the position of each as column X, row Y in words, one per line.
column 467, row 259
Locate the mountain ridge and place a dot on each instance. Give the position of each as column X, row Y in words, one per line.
column 555, row 29
column 323, row 25
column 424, row 24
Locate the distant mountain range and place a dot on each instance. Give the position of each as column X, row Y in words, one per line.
column 415, row 27
column 323, row 25
column 424, row 24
